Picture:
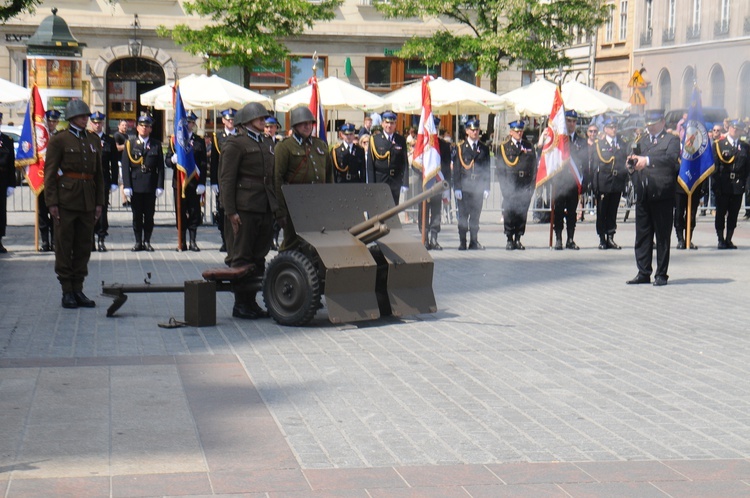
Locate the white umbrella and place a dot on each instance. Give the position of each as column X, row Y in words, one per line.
column 455, row 96
column 335, row 94
column 13, row 95
column 204, row 92
column 536, row 99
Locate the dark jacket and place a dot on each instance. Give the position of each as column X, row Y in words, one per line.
column 658, row 181
column 389, row 159
column 7, row 163
column 610, row 166
column 518, row 166
column 731, row 167
column 78, row 156
column 471, row 169
column 143, row 166
column 217, row 148
column 201, row 161
column 348, row 168
column 110, row 159
column 246, row 174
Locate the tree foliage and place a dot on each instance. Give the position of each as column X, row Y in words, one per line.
column 498, row 33
column 11, row 8
column 247, row 32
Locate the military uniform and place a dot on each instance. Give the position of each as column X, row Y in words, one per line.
column 190, row 204
column 680, row 214
column 298, row 160
column 348, row 163
column 111, row 173
column 609, row 165
column 471, row 175
column 654, row 188
column 7, row 180
column 732, row 161
column 217, row 149
column 73, row 182
column 517, row 180
column 143, row 172
column 389, row 161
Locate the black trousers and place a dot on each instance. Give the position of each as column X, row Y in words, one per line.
column 727, row 210
column 565, row 205
column 680, row 213
column 46, row 224
column 469, row 211
column 606, row 213
column 190, row 209
column 516, row 202
column 653, row 218
column 434, row 212
column 143, row 206
column 3, row 210
column 101, row 229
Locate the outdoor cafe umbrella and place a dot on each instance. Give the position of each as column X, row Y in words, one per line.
column 13, row 95
column 454, row 96
column 204, row 92
column 335, row 94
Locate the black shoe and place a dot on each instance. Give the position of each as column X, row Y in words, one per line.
column 147, row 246
column 518, row 245
column 244, row 311
column 46, row 247
column 611, row 244
column 100, row 246
column 571, row 245
column 3, row 250
column 259, row 312
column 223, row 247
column 476, row 246
column 510, row 245
column 82, row 300
column 69, row 300
column 428, row 245
column 435, row 245
column 462, row 245
column 693, row 246
column 639, row 279
column 730, row 244
column 602, row 243
column 681, row 244
column 722, row 244
column 558, row 245
column 138, row 247
column 659, row 281
column 194, row 247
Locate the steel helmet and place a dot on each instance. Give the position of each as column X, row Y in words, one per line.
column 75, row 108
column 251, row 111
column 301, row 115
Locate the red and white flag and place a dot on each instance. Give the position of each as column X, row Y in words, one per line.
column 556, row 150
column 32, row 147
column 427, row 147
column 316, row 107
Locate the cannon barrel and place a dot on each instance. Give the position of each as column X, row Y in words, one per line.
column 436, row 189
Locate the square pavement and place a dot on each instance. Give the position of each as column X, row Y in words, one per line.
column 542, row 374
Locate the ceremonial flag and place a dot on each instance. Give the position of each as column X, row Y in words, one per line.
column 427, row 146
column 182, row 146
column 556, row 150
column 696, row 158
column 32, row 146
column 316, row 107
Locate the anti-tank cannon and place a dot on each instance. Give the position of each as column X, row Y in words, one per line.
column 353, row 251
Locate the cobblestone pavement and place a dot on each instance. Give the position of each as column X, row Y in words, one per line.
column 542, row 374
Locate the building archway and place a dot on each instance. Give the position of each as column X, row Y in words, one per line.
column 612, row 90
column 688, row 81
column 743, row 96
column 717, row 86
column 665, row 90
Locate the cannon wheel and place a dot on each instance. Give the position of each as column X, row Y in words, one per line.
column 291, row 288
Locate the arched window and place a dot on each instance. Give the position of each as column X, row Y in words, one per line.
column 665, row 90
column 688, row 81
column 717, row 86
column 612, row 90
column 743, row 97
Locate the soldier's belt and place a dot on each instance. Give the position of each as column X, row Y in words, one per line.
column 78, row 176
column 265, row 180
column 392, row 172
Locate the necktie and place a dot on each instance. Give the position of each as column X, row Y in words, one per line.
column 653, row 139
column 474, row 147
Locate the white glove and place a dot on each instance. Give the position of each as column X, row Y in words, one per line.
column 459, row 195
column 215, row 189
column 404, row 189
column 200, row 189
column 112, row 187
column 446, row 195
column 9, row 191
column 159, row 191
column 486, row 193
column 128, row 192
column 174, row 159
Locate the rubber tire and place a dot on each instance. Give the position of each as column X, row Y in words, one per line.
column 291, row 289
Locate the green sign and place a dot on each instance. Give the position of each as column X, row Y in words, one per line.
column 390, row 52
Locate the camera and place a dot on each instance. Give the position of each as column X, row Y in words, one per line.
column 630, row 163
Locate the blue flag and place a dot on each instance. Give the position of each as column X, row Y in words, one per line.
column 696, row 158
column 183, row 147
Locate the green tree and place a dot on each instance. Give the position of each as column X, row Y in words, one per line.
column 498, row 33
column 247, row 33
column 11, row 8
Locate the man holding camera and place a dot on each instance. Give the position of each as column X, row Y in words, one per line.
column 655, row 163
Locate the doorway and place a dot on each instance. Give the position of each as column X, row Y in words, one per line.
column 127, row 79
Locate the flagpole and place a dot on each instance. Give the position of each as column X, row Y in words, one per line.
column 424, row 221
column 551, row 212
column 179, row 209
column 36, row 223
column 689, row 213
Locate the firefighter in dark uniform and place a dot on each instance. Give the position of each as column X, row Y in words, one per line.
column 46, row 223
column 74, row 191
column 609, row 163
column 565, row 186
column 7, row 180
column 732, row 162
column 190, row 204
column 388, row 154
column 110, row 171
column 217, row 147
column 271, row 129
column 471, row 184
column 680, row 214
column 143, row 180
column 249, row 200
column 348, row 158
column 300, row 158
column 517, row 180
column 435, row 203
column 655, row 181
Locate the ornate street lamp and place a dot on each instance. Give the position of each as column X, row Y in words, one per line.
column 135, row 43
